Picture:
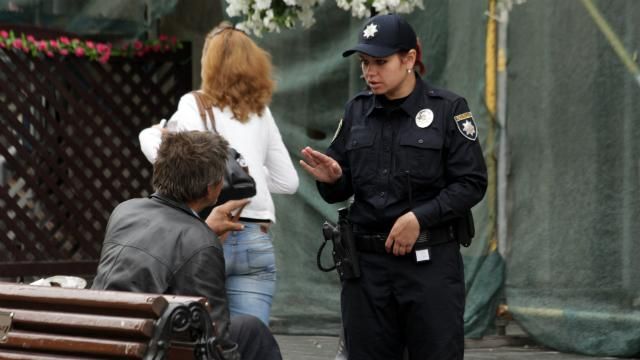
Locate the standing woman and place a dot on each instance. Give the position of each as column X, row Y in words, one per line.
column 237, row 84
column 409, row 155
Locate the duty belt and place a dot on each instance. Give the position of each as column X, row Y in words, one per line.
column 372, row 242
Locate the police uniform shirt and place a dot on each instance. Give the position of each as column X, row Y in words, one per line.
column 421, row 156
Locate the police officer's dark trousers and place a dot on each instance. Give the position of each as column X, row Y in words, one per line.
column 397, row 303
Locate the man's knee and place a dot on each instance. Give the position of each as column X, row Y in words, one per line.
column 254, row 338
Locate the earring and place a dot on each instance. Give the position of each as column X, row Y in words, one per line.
column 409, row 71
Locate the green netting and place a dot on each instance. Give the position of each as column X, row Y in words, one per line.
column 121, row 18
column 573, row 279
column 314, row 82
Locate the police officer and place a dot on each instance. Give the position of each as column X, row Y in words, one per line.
column 409, row 155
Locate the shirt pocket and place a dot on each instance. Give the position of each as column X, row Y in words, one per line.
column 420, row 155
column 361, row 154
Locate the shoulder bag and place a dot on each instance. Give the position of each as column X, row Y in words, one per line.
column 238, row 184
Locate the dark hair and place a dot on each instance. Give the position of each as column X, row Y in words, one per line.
column 187, row 163
column 419, row 64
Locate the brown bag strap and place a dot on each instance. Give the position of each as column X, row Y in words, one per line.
column 204, row 110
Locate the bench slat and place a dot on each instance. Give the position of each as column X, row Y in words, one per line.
column 73, row 344
column 109, row 302
column 20, row 355
column 81, row 324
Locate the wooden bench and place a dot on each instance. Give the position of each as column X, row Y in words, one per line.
column 41, row 323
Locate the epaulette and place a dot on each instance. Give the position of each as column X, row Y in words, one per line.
column 363, row 93
column 442, row 93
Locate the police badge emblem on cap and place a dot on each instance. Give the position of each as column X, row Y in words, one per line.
column 424, row 118
column 370, row 31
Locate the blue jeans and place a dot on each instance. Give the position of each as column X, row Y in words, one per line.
column 251, row 271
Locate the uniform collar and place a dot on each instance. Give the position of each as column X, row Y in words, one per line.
column 414, row 102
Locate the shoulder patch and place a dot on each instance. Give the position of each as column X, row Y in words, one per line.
column 466, row 126
column 337, row 131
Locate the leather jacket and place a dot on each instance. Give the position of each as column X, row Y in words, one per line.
column 157, row 245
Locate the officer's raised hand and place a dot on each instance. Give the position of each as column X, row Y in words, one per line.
column 403, row 235
column 322, row 167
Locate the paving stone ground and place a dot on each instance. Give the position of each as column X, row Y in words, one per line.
column 295, row 347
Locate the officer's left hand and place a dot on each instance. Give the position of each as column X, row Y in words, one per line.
column 403, row 235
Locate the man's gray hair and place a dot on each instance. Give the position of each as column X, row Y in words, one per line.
column 187, row 163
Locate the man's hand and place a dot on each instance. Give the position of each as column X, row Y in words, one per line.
column 221, row 219
column 403, row 235
column 322, row 167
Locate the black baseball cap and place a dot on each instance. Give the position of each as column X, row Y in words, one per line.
column 384, row 35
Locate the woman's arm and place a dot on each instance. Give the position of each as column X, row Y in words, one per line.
column 282, row 177
column 185, row 118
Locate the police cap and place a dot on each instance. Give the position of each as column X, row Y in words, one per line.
column 384, row 35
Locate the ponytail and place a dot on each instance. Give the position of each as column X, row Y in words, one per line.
column 419, row 64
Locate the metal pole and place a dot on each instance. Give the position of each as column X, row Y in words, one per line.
column 503, row 146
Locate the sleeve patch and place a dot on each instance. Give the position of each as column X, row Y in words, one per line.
column 466, row 126
column 462, row 116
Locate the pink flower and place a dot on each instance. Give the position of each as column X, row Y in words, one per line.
column 65, row 40
column 49, row 53
column 163, row 37
column 53, row 43
column 102, row 48
column 79, row 51
column 30, row 38
column 42, row 45
column 4, row 34
column 2, row 45
column 17, row 44
column 104, row 58
column 90, row 44
column 64, row 52
column 138, row 45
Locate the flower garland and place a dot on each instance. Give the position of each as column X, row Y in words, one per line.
column 363, row 8
column 271, row 15
column 99, row 51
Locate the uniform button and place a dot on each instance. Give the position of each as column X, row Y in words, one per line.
column 384, row 171
column 381, row 194
column 420, row 141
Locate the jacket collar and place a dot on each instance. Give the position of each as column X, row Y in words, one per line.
column 173, row 203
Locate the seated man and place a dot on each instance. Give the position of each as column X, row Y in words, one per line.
column 160, row 245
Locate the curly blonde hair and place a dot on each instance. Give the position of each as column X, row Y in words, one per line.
column 236, row 72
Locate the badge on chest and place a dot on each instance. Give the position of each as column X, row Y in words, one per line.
column 424, row 118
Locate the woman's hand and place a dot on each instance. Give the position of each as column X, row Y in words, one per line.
column 161, row 126
column 322, row 167
column 403, row 235
column 221, row 219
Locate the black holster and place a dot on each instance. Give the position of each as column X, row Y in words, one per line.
column 345, row 255
column 465, row 229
